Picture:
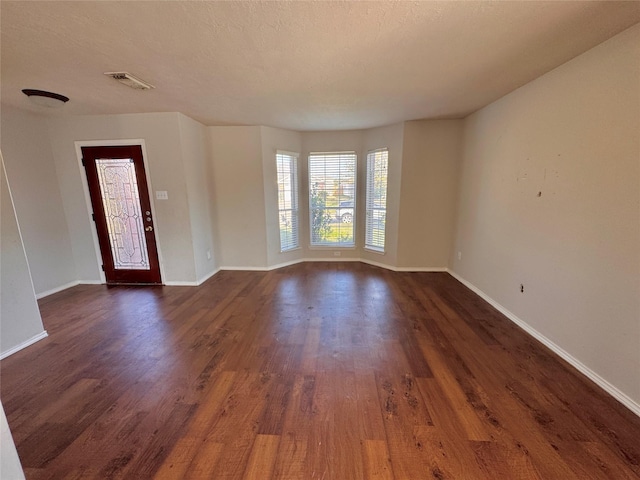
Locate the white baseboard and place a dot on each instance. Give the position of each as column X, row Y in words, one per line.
column 57, row 289
column 377, row 264
column 332, row 259
column 255, row 269
column 620, row 396
column 419, row 269
column 402, row 269
column 247, row 269
column 68, row 285
column 24, row 344
column 207, row 276
column 285, row 264
column 289, row 263
column 336, row 259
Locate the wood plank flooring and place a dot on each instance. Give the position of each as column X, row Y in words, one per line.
column 327, row 371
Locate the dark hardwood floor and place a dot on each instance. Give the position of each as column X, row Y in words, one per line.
column 334, row 371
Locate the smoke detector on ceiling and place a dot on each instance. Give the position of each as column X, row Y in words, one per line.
column 129, row 80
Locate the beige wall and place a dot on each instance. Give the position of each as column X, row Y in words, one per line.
column 236, row 153
column 430, row 167
column 161, row 134
column 274, row 139
column 245, row 231
column 197, row 170
column 434, row 153
column 238, row 186
column 32, row 175
column 20, row 320
column 550, row 198
column 10, row 467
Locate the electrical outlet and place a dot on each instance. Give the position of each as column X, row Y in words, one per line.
column 208, row 254
column 337, row 254
column 459, row 255
column 521, row 288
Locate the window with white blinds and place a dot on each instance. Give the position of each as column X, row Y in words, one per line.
column 376, row 203
column 332, row 198
column 287, row 167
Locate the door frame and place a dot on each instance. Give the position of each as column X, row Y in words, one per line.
column 87, row 197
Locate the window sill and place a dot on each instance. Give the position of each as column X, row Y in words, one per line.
column 290, row 250
column 375, row 250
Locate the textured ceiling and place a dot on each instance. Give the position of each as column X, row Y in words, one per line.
column 297, row 65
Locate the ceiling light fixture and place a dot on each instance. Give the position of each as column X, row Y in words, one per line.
column 129, row 80
column 45, row 99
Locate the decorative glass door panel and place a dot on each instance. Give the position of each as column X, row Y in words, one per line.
column 121, row 203
column 122, row 213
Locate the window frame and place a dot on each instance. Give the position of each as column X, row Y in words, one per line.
column 292, row 159
column 370, row 201
column 333, row 245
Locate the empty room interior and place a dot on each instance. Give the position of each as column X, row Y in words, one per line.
column 320, row 240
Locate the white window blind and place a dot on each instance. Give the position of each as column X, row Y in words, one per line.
column 376, row 215
column 287, row 167
column 332, row 197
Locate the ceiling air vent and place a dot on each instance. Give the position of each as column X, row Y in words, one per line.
column 129, row 80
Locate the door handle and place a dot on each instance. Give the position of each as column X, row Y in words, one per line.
column 148, row 229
